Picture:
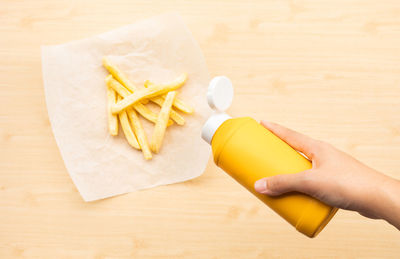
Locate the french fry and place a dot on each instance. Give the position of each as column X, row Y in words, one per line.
column 126, row 128
column 147, row 93
column 140, row 134
column 181, row 105
column 118, row 74
column 161, row 125
column 139, row 107
column 121, row 77
column 178, row 103
column 173, row 114
column 112, row 118
column 117, row 86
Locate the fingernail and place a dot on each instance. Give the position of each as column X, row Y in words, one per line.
column 261, row 186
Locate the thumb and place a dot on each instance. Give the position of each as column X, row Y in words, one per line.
column 279, row 184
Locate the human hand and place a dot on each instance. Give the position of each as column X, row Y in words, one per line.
column 336, row 179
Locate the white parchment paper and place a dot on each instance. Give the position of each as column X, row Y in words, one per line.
column 100, row 165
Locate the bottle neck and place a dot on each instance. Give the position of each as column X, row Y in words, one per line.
column 212, row 124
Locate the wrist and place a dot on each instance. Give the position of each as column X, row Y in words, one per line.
column 389, row 201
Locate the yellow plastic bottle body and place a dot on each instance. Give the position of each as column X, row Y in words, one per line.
column 248, row 152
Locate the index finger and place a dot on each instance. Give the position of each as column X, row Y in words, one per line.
column 293, row 138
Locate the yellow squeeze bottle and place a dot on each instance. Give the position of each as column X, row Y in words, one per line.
column 248, row 152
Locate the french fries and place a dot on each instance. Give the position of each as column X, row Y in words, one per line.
column 126, row 128
column 178, row 103
column 124, row 81
column 112, row 118
column 139, row 131
column 161, row 124
column 125, row 101
column 139, row 107
column 147, row 93
column 174, row 115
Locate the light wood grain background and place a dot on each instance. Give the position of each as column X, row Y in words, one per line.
column 330, row 69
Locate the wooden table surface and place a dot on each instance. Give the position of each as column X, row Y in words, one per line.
column 330, row 69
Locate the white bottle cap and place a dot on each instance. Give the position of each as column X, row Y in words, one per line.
column 219, row 97
column 220, row 93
